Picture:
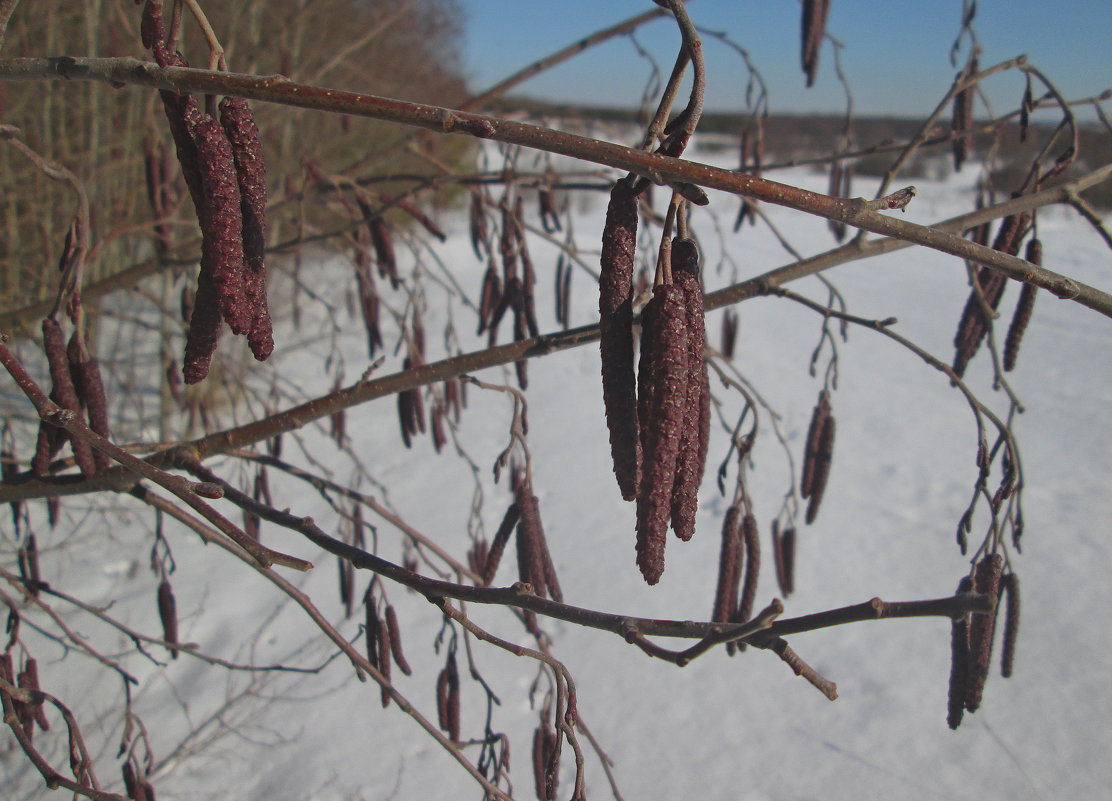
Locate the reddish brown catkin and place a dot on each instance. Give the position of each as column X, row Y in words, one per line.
column 973, row 324
column 531, row 516
column 1009, row 588
column 29, row 679
column 64, row 394
column 729, row 333
column 247, row 152
column 729, row 568
column 663, row 378
column 986, row 580
column 530, row 558
column 442, row 699
column 784, row 544
column 385, row 648
column 751, row 538
column 85, row 372
column 824, row 456
column 222, row 252
column 370, row 630
column 498, row 545
column 962, row 118
column 695, row 432
column 168, row 614
column 368, row 302
column 384, row 251
column 959, row 662
column 811, row 447
column 814, row 30
column 619, row 249
column 452, row 717
column 1023, row 310
column 395, row 633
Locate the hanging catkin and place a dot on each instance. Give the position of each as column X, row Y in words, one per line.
column 619, row 248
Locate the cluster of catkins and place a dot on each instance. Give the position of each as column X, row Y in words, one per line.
column 76, row 385
column 985, row 297
column 27, row 716
column 659, row 422
column 222, row 163
column 384, row 640
column 971, row 637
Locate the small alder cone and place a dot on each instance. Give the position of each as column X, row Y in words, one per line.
column 986, row 580
column 663, row 379
column 814, row 30
column 1023, row 310
column 619, row 249
column 959, row 662
column 695, row 433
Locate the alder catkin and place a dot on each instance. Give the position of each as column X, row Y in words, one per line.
column 385, row 649
column 619, row 249
column 729, row 568
column 824, row 456
column 1009, row 588
column 695, row 432
column 168, row 614
column 751, row 540
column 247, row 153
column 784, row 554
column 986, row 581
column 452, row 715
column 85, row 372
column 811, row 447
column 814, row 31
column 395, row 635
column 663, row 378
column 959, row 662
column 64, row 394
column 498, row 545
column 1023, row 309
column 962, row 117
column 370, row 631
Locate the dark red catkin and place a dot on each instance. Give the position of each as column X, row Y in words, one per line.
column 784, row 553
column 751, row 539
column 1009, row 589
column 477, row 556
column 695, row 432
column 222, row 254
column 136, row 788
column 811, row 447
column 814, row 30
column 545, row 772
column 29, row 680
column 663, row 377
column 370, row 631
column 368, row 300
column 962, row 117
column 1023, row 309
column 385, row 649
column 383, row 244
column 986, row 581
column 729, row 568
column 530, row 558
column 959, row 662
column 247, row 152
column 490, row 297
column 480, row 236
column 823, row 459
column 973, row 324
column 619, row 249
column 395, row 633
column 85, row 372
column 729, row 333
column 531, row 520
column 452, row 711
column 498, row 545
column 64, row 394
column 28, row 560
column 168, row 614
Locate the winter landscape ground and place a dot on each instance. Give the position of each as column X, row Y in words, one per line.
column 721, row 728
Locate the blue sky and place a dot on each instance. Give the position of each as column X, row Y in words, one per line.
column 896, row 54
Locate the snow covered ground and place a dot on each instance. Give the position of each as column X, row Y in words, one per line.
column 721, row 728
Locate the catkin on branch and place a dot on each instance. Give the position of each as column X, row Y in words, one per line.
column 784, row 553
column 695, row 432
column 385, row 648
column 729, row 333
column 729, row 568
column 619, row 248
column 370, row 630
column 87, row 383
column 64, row 394
column 824, row 456
column 959, row 662
column 168, row 614
column 814, row 31
column 247, row 152
column 395, row 634
column 986, row 581
column 811, row 448
column 1023, row 309
column 751, row 540
column 1009, row 589
column 452, row 713
column 663, row 380
column 498, row 545
column 962, row 117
